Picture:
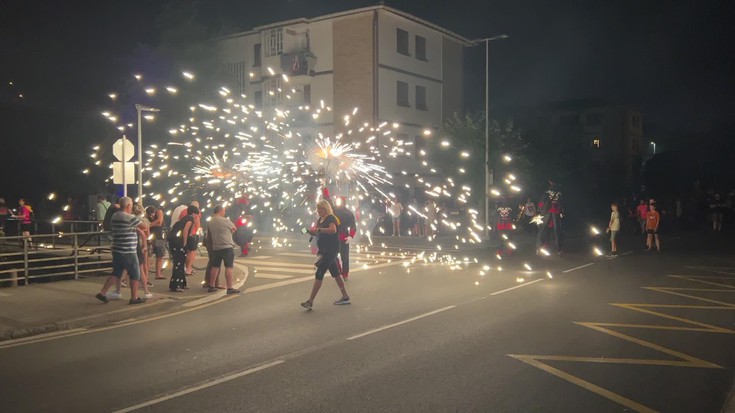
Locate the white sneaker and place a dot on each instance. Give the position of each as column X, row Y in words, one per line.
column 148, row 295
column 114, row 296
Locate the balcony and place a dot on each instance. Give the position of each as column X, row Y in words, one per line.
column 299, row 63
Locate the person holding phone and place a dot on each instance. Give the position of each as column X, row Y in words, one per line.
column 328, row 249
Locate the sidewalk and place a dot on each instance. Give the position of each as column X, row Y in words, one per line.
column 64, row 305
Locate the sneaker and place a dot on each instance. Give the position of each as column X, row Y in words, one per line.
column 345, row 276
column 212, row 289
column 124, row 283
column 137, row 301
column 177, row 290
column 148, row 295
column 114, row 296
column 149, row 284
column 307, row 305
column 612, row 256
column 342, row 301
column 232, row 291
column 102, row 298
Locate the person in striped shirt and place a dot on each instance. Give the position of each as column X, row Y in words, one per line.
column 125, row 230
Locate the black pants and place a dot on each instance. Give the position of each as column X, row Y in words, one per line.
column 344, row 256
column 328, row 261
column 178, row 275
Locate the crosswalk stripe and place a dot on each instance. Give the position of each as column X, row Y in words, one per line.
column 271, row 276
column 303, row 270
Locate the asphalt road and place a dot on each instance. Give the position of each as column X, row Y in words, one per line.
column 642, row 332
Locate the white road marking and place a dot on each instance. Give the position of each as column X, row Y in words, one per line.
column 200, row 387
column 305, row 269
column 275, row 263
column 400, row 322
column 215, row 296
column 517, row 286
column 39, row 338
column 627, row 253
column 578, row 268
column 259, row 274
column 262, row 257
column 5, row 294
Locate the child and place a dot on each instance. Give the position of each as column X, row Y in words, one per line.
column 612, row 228
column 652, row 221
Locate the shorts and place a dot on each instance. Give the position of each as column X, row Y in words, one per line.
column 192, row 243
column 651, row 231
column 159, row 248
column 128, row 262
column 227, row 255
column 613, row 235
column 25, row 228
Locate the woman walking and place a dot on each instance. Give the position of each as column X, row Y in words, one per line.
column 328, row 249
column 177, row 239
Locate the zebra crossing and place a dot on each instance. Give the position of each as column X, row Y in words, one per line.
column 289, row 265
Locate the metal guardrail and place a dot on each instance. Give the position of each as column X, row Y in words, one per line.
column 25, row 258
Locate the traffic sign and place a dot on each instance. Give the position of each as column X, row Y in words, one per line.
column 123, row 148
column 117, row 174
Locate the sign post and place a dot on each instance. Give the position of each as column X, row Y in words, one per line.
column 123, row 171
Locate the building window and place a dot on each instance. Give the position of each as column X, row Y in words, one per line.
column 421, row 98
column 402, row 42
column 421, row 48
column 596, row 143
column 402, row 88
column 274, row 92
column 259, row 100
column 257, row 54
column 274, row 42
column 307, row 94
column 238, row 76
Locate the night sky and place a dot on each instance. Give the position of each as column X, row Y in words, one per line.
column 673, row 60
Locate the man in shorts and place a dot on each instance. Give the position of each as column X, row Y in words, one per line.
column 220, row 229
column 126, row 228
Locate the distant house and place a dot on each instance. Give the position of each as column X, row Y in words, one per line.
column 392, row 66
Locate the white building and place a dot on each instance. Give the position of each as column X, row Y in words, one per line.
column 392, row 66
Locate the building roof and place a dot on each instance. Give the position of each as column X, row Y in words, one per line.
column 454, row 36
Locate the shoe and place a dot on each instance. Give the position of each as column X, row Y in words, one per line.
column 101, row 298
column 148, row 295
column 149, row 284
column 611, row 256
column 114, row 296
column 123, row 283
column 137, row 301
column 342, row 301
column 345, row 276
column 232, row 291
column 307, row 305
column 212, row 289
column 177, row 290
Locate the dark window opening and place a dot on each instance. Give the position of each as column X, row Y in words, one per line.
column 402, row 42
column 421, row 98
column 259, row 100
column 402, row 88
column 257, row 53
column 421, row 48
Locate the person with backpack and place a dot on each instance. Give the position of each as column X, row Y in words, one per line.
column 178, row 238
column 328, row 243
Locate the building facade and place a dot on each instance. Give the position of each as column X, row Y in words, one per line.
column 393, row 67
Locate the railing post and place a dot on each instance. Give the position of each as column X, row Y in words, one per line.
column 53, row 232
column 25, row 260
column 76, row 257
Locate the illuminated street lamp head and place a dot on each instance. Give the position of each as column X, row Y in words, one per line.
column 146, row 108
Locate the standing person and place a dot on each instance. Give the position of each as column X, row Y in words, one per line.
column 642, row 211
column 653, row 219
column 142, row 249
column 430, row 212
column 24, row 216
column 504, row 225
column 346, row 231
column 158, row 246
column 125, row 230
column 717, row 212
column 4, row 214
column 328, row 244
column 395, row 209
column 178, row 239
column 220, row 230
column 414, row 218
column 193, row 239
column 613, row 227
column 102, row 206
column 529, row 210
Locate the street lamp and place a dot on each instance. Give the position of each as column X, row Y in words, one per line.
column 654, row 147
column 140, row 108
column 487, row 123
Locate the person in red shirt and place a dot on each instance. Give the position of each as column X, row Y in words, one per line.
column 642, row 211
column 652, row 221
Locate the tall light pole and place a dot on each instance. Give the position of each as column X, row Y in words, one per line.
column 487, row 125
column 654, row 147
column 140, row 108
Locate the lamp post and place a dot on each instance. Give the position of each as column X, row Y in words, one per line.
column 654, row 147
column 140, row 108
column 487, row 124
